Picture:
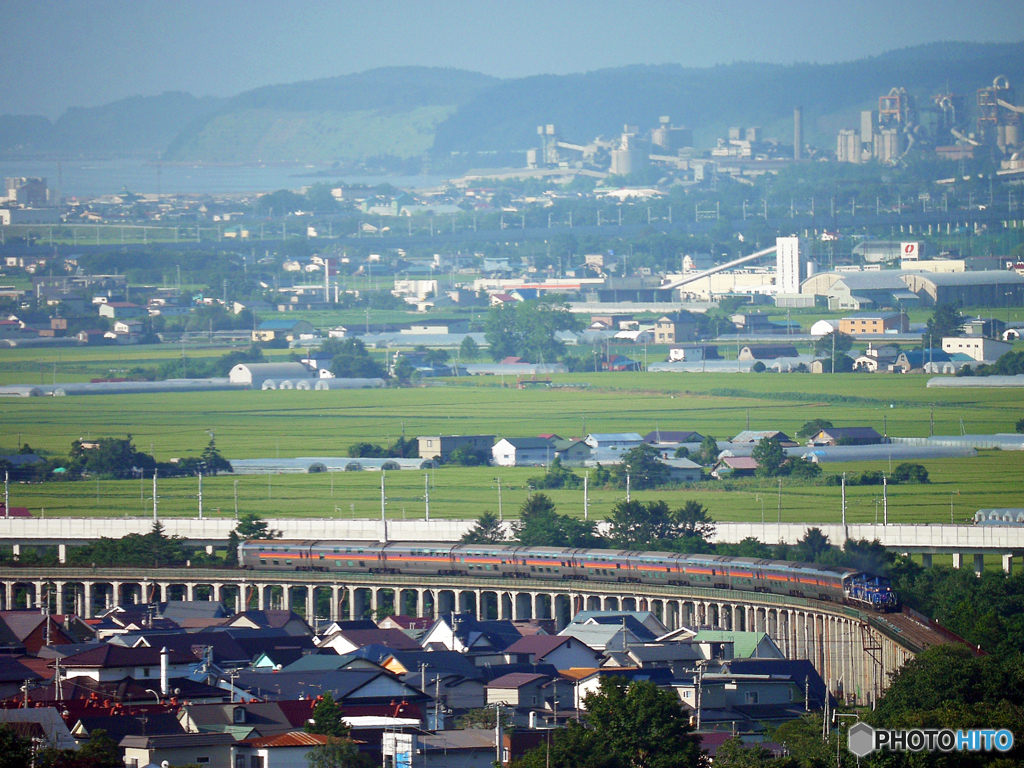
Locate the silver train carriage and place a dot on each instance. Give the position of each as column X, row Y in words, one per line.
column 430, row 558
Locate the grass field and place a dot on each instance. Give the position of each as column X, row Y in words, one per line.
column 292, row 423
column 991, row 480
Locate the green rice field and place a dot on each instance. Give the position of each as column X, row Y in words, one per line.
column 298, row 423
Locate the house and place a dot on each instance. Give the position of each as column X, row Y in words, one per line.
column 874, row 323
column 348, row 640
column 683, row 470
column 734, row 466
column 44, row 724
column 441, row 447
column 976, row 347
column 846, row 436
column 109, row 663
column 128, row 327
column 119, row 310
column 751, row 436
column 620, row 363
column 917, row 359
column 464, row 748
column 672, row 438
column 178, row 749
column 522, row 452
column 31, row 630
column 250, row 719
column 675, row 328
column 519, row 689
column 613, row 441
column 289, row 330
column 288, row 621
column 691, row 352
column 464, row 633
column 572, row 453
column 563, row 652
column 282, row 750
column 767, row 351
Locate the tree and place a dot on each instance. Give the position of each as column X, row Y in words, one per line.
column 641, row 725
column 769, row 456
column 250, row 527
column 708, row 453
column 212, row 462
column 644, row 467
column 946, row 320
column 539, row 525
column 487, row 530
column 328, row 719
column 338, row 753
column 833, row 347
column 99, row 751
column 652, row 525
column 466, row 456
column 15, row 751
column 813, row 427
column 469, row 349
column 802, row 469
column 736, row 753
column 910, row 472
column 557, row 476
column 1020, row 426
column 527, row 329
column 112, row 457
column 352, row 360
column 811, row 547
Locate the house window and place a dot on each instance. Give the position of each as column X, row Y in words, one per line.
column 239, row 714
column 256, row 761
column 202, row 761
column 750, row 697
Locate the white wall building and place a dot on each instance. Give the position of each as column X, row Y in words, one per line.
column 788, row 252
column 979, row 349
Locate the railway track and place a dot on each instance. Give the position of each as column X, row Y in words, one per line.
column 914, row 629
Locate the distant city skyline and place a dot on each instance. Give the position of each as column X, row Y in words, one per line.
column 59, row 54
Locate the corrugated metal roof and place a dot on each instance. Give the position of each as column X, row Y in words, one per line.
column 290, row 739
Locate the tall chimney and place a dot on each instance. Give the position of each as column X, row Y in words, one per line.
column 798, row 133
column 165, row 687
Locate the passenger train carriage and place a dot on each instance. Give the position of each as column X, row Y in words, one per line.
column 780, row 577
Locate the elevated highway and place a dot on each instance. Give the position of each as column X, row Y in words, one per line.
column 843, row 643
column 966, row 543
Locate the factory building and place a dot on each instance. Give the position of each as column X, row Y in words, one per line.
column 788, row 264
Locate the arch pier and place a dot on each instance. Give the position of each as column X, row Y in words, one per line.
column 851, row 649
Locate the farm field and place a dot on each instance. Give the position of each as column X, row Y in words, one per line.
column 292, row 423
column 960, row 486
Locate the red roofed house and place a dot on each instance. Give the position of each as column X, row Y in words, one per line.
column 562, row 652
column 735, row 466
column 281, row 750
column 29, row 629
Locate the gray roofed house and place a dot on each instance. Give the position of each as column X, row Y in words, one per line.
column 847, row 436
column 562, row 651
column 755, row 436
column 522, row 452
column 572, row 452
column 178, row 749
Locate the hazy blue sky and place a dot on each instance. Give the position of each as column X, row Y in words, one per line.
column 60, row 53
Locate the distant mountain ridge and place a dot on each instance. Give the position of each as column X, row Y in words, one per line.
column 407, row 112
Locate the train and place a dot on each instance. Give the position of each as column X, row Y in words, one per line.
column 431, row 558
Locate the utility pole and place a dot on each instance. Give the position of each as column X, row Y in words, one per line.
column 154, row 497
column 200, row 495
column 426, row 494
column 500, row 516
column 586, row 505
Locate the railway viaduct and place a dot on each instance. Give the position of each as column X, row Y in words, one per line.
column 854, row 651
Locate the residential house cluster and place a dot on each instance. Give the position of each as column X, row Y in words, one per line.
column 188, row 682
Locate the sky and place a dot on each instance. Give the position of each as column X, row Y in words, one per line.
column 56, row 54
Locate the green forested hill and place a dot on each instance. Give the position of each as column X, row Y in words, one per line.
column 390, row 111
column 411, row 111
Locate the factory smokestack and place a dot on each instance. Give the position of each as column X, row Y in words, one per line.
column 164, row 685
column 798, row 133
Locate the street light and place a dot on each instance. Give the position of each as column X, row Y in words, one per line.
column 757, row 497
